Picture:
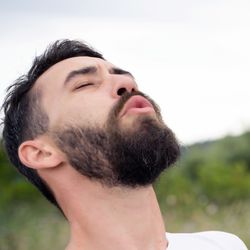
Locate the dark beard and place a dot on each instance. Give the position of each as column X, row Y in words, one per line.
column 121, row 157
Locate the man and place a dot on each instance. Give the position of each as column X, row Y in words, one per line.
column 80, row 130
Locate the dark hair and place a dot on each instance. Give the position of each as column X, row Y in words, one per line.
column 24, row 117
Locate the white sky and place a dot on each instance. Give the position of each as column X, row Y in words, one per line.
column 192, row 57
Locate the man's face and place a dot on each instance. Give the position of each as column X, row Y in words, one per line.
column 108, row 130
column 84, row 97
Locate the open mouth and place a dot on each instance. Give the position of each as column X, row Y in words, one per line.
column 136, row 104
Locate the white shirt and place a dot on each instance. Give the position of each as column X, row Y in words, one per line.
column 210, row 240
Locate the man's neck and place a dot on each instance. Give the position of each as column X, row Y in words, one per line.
column 113, row 218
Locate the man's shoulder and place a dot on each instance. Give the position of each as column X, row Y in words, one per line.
column 209, row 240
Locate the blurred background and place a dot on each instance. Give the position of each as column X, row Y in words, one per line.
column 193, row 58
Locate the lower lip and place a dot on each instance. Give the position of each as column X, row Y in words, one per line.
column 140, row 110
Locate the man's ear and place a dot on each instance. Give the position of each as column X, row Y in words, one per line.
column 38, row 154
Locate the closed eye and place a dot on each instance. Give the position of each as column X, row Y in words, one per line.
column 83, row 85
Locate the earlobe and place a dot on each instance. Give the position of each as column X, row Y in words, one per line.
column 37, row 155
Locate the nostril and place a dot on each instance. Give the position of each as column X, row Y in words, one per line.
column 121, row 91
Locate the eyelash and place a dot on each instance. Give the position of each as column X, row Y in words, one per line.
column 83, row 85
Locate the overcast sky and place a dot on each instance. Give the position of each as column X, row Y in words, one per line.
column 192, row 57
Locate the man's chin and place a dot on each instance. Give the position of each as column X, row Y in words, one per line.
column 131, row 122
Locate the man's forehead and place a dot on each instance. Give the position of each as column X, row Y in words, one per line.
column 62, row 68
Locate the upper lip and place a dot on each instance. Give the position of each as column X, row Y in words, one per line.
column 135, row 101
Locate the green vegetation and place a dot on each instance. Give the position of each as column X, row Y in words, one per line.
column 214, row 172
column 208, row 189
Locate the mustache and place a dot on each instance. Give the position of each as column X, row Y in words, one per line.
column 126, row 96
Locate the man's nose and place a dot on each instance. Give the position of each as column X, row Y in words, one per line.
column 122, row 85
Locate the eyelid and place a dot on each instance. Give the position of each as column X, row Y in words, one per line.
column 83, row 85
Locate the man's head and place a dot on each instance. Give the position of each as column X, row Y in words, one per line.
column 73, row 107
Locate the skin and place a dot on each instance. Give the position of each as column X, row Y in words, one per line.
column 99, row 217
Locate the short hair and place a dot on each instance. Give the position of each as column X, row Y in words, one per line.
column 24, row 118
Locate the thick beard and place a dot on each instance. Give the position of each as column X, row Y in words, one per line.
column 116, row 156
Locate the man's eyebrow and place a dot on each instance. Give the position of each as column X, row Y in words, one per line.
column 82, row 71
column 119, row 71
column 93, row 70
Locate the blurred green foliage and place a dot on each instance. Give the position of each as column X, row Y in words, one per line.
column 215, row 172
column 14, row 187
